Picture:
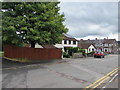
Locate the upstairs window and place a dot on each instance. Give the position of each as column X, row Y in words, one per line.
column 65, row 41
column 74, row 42
column 106, row 45
column 69, row 41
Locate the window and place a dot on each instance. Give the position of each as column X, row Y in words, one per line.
column 92, row 49
column 69, row 41
column 105, row 49
column 74, row 42
column 65, row 41
column 106, row 44
column 89, row 49
column 97, row 44
column 101, row 44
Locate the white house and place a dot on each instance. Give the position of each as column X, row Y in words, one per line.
column 67, row 42
column 90, row 48
column 87, row 46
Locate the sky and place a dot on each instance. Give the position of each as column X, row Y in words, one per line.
column 90, row 20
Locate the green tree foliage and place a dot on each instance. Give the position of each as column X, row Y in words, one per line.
column 32, row 22
column 0, row 40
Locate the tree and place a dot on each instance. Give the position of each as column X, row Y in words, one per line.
column 32, row 22
column 0, row 40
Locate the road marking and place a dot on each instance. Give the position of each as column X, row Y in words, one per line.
column 109, row 81
column 113, row 78
column 100, row 83
column 101, row 80
column 113, row 73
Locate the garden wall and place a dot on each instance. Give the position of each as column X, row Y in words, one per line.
column 32, row 53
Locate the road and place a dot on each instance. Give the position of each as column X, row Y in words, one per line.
column 66, row 73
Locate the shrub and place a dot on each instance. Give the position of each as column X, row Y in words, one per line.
column 66, row 55
column 76, row 50
column 91, row 53
column 1, row 53
column 83, row 52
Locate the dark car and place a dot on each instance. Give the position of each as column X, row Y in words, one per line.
column 99, row 55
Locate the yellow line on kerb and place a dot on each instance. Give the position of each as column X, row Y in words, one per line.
column 99, row 81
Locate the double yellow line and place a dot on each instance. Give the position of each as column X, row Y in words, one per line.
column 101, row 80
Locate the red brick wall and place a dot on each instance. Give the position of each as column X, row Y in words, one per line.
column 32, row 53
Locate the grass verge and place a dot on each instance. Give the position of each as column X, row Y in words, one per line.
column 23, row 60
column 1, row 53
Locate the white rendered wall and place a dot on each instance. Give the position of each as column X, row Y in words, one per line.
column 91, row 47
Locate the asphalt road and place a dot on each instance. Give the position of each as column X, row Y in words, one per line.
column 67, row 73
column 114, row 82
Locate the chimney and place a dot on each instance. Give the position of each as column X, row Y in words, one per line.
column 104, row 38
column 95, row 38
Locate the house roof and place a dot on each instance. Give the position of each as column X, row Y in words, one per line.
column 98, row 41
column 85, row 45
column 69, row 37
column 109, row 41
column 89, row 41
column 48, row 46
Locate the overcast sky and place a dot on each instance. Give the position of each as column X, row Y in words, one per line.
column 91, row 20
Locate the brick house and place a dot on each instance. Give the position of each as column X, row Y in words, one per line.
column 105, row 45
column 118, row 48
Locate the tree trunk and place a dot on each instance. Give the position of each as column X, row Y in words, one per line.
column 32, row 45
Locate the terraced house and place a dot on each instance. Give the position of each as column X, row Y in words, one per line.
column 106, row 45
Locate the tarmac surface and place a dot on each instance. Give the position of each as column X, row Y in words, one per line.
column 66, row 73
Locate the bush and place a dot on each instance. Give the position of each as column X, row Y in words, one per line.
column 73, row 49
column 83, row 52
column 66, row 55
column 91, row 53
column 76, row 50
column 1, row 53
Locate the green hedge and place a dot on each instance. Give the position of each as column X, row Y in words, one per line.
column 66, row 55
column 76, row 50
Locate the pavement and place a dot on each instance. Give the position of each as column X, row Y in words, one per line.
column 66, row 73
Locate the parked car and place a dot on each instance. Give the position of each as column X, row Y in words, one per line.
column 99, row 55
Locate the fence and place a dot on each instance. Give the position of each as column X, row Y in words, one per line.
column 32, row 53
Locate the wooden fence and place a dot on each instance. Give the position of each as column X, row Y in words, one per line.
column 32, row 53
